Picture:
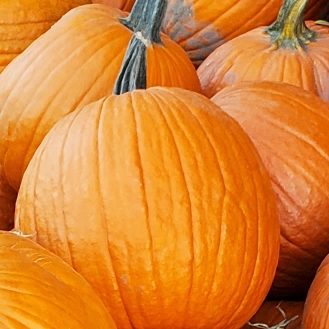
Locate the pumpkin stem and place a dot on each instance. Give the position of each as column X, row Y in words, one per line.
column 289, row 30
column 145, row 20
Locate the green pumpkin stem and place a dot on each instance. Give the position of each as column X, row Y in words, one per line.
column 289, row 30
column 145, row 20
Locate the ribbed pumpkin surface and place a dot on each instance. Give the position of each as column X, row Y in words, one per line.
column 289, row 128
column 125, row 5
column 23, row 21
column 160, row 200
column 77, row 61
column 39, row 290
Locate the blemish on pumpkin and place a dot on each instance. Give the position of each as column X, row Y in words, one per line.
column 124, row 279
column 198, row 39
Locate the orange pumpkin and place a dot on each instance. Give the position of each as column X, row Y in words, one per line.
column 39, row 290
column 23, row 21
column 200, row 26
column 77, row 61
column 289, row 128
column 7, row 203
column 287, row 51
column 125, row 5
column 316, row 305
column 164, row 194
column 277, row 315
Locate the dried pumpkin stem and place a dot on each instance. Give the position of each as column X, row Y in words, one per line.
column 289, row 30
column 145, row 20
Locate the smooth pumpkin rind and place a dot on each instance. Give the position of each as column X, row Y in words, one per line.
column 39, row 290
column 171, row 194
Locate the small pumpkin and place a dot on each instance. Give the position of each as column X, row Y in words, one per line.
column 172, row 195
column 287, row 51
column 276, row 314
column 200, row 26
column 39, row 290
column 77, row 61
column 23, row 21
column 289, row 128
column 7, row 203
column 316, row 305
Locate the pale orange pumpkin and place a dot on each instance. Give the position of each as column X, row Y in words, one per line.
column 39, row 290
column 289, row 128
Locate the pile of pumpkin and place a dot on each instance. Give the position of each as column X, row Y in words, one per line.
column 164, row 164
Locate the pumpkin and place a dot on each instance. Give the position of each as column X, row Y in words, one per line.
column 200, row 26
column 23, row 21
column 125, row 5
column 39, row 290
column 164, row 194
column 287, row 51
column 77, row 61
column 7, row 203
column 316, row 305
column 289, row 128
column 277, row 315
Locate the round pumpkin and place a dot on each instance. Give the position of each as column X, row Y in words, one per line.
column 7, row 203
column 316, row 305
column 289, row 128
column 276, row 314
column 77, row 61
column 200, row 26
column 167, row 199
column 287, row 51
column 39, row 290
column 23, row 21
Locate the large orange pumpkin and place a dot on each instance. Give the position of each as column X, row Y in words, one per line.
column 77, row 61
column 200, row 26
column 7, row 203
column 289, row 128
column 23, row 21
column 287, row 51
column 316, row 305
column 160, row 200
column 39, row 290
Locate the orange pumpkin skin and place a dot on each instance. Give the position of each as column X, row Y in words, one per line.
column 270, row 315
column 200, row 26
column 164, row 194
column 7, row 203
column 23, row 21
column 39, row 290
column 316, row 304
column 124, row 5
column 74, row 63
column 234, row 62
column 289, row 128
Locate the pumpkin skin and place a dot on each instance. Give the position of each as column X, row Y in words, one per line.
column 270, row 315
column 90, row 44
column 316, row 304
column 39, row 290
column 23, row 21
column 303, row 65
column 7, row 203
column 154, row 176
column 124, row 5
column 289, row 128
column 200, row 26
